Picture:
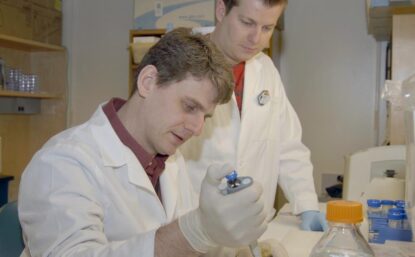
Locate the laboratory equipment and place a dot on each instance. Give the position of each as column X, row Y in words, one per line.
column 386, row 206
column 365, row 173
column 390, row 225
column 395, row 218
column 343, row 239
column 374, row 209
column 235, row 184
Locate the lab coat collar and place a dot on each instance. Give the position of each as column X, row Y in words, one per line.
column 111, row 148
column 115, row 154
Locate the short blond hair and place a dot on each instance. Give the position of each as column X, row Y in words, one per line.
column 229, row 4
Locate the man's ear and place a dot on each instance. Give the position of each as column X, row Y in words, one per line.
column 146, row 80
column 220, row 10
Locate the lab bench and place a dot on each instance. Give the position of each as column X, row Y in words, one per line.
column 285, row 228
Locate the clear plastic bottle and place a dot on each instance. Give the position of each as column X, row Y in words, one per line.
column 374, row 212
column 395, row 218
column 343, row 239
column 386, row 205
column 374, row 207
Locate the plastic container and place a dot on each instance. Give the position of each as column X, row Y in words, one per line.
column 395, row 218
column 374, row 213
column 374, row 207
column 400, row 204
column 343, row 239
column 386, row 205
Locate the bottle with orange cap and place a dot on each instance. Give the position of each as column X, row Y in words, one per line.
column 343, row 239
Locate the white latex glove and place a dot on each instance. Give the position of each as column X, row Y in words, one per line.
column 269, row 247
column 230, row 220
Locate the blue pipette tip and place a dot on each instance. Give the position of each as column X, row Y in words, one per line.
column 231, row 176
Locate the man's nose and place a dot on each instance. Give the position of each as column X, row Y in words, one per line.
column 255, row 35
column 195, row 124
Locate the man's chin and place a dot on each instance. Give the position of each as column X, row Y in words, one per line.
column 169, row 151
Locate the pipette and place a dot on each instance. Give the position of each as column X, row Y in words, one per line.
column 234, row 184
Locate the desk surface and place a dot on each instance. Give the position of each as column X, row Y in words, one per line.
column 286, row 228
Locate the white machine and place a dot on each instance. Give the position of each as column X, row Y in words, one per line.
column 365, row 173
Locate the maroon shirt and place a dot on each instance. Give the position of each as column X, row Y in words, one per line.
column 153, row 165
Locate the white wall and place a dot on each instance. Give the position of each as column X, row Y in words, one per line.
column 96, row 33
column 328, row 66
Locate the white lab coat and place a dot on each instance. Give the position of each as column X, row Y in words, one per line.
column 264, row 142
column 86, row 194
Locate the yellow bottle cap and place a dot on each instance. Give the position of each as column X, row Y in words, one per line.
column 342, row 211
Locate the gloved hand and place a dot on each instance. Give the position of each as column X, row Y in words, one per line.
column 230, row 220
column 269, row 247
column 314, row 221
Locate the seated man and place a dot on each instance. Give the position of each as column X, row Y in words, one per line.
column 98, row 189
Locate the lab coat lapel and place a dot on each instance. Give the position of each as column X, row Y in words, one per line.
column 251, row 84
column 137, row 175
column 169, row 183
column 115, row 154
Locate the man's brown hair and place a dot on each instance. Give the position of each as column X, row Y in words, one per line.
column 180, row 53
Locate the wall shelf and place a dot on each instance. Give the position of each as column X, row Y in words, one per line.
column 27, row 45
column 28, row 120
column 39, row 95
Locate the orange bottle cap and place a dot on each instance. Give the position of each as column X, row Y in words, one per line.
column 342, row 211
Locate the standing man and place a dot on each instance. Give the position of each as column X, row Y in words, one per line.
column 258, row 131
column 99, row 189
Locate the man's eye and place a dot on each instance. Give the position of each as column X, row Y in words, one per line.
column 189, row 107
column 247, row 23
column 267, row 29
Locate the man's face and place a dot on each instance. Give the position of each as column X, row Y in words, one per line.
column 246, row 29
column 177, row 112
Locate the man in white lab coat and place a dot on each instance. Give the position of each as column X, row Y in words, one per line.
column 99, row 189
column 258, row 131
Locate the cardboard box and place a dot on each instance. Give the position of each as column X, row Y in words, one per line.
column 47, row 25
column 169, row 14
column 16, row 19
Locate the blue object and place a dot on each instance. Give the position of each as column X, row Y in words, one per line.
column 390, row 226
column 4, row 189
column 400, row 204
column 388, row 202
column 11, row 242
column 231, row 177
column 235, row 183
column 375, row 203
column 313, row 221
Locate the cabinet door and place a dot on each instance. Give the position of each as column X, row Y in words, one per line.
column 403, row 65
